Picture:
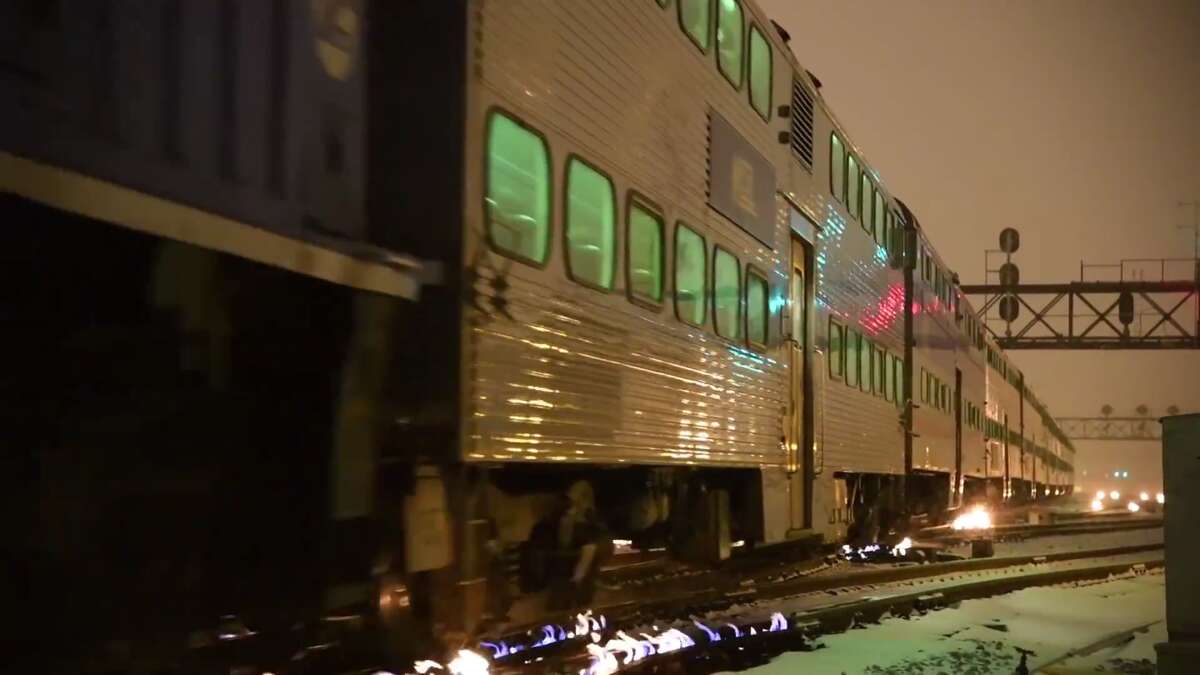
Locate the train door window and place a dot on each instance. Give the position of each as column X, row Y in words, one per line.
column 889, row 377
column 760, row 73
column 880, row 227
column 898, row 379
column 853, row 345
column 695, row 19
column 887, row 232
column 837, row 350
column 924, row 386
column 837, row 168
column 881, row 372
column 867, row 194
column 691, row 277
column 591, row 225
column 731, row 30
column 865, row 362
column 727, row 294
column 757, row 309
column 852, row 178
column 518, row 189
column 645, row 253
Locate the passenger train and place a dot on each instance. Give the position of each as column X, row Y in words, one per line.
column 358, row 290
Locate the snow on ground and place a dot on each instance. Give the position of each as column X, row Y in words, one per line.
column 1128, row 656
column 985, row 637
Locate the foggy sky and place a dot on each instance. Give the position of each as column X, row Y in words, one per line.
column 1077, row 122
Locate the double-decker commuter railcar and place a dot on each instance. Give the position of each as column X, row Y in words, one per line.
column 673, row 289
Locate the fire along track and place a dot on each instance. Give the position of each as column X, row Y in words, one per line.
column 1023, row 531
column 751, row 625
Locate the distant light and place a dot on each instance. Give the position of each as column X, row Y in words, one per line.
column 1097, row 505
column 1160, row 498
column 1145, row 496
column 1114, row 495
column 1133, row 507
column 1116, row 474
column 739, row 543
column 1101, row 494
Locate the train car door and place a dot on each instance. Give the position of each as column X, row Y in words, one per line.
column 956, row 498
column 800, row 469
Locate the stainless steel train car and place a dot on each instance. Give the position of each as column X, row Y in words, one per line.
column 674, row 294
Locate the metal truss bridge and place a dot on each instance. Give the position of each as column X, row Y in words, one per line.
column 1126, row 313
column 1110, row 428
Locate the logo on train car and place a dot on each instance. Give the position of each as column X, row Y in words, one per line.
column 741, row 182
column 336, row 29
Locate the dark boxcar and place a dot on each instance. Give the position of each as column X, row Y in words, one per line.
column 207, row 208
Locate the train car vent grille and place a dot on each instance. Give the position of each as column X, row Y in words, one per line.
column 802, row 124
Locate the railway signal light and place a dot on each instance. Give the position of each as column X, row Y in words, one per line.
column 1010, row 274
column 1010, row 309
column 1010, row 240
column 1125, row 307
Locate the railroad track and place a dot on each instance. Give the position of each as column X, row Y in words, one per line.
column 651, row 586
column 1025, row 531
column 747, row 633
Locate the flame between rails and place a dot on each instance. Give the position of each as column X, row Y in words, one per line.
column 621, row 650
column 898, row 551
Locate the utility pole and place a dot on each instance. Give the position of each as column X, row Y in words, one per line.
column 1194, row 226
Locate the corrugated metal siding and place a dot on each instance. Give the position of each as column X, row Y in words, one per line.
column 581, row 375
column 861, row 432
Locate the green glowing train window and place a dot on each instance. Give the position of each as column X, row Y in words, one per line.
column 837, row 350
column 760, row 73
column 852, row 179
column 591, row 225
column 853, row 345
column 924, row 386
column 694, row 17
column 691, row 277
column 645, row 253
column 880, row 223
column 837, row 168
column 518, row 189
column 727, row 294
column 757, row 308
column 867, row 194
column 730, row 47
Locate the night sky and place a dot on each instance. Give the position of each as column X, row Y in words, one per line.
column 1077, row 122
